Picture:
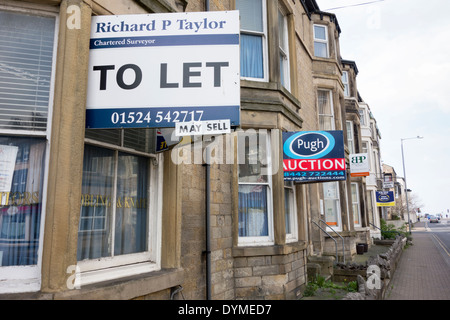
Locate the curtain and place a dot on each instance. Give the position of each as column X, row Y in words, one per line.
column 114, row 200
column 21, row 204
column 288, row 197
column 94, row 233
column 132, row 204
column 252, row 56
column 253, row 211
column 325, row 110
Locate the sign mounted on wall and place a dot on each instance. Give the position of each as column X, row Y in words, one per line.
column 385, row 199
column 359, row 165
column 314, row 156
column 154, row 70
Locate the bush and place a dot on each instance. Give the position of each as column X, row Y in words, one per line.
column 320, row 282
column 388, row 231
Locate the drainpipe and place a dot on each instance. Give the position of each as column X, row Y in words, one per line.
column 208, row 212
column 208, row 225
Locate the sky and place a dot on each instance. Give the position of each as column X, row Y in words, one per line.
column 402, row 51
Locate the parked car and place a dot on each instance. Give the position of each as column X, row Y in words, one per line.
column 433, row 219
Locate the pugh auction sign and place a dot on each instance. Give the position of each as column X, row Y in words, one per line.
column 314, row 156
column 154, row 70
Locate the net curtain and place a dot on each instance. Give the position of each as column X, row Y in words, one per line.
column 20, row 214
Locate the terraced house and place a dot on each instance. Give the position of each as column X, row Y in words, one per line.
column 105, row 214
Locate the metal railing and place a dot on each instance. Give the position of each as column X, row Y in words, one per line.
column 335, row 242
column 343, row 242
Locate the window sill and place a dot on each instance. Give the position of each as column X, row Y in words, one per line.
column 119, row 289
column 269, row 250
column 127, row 288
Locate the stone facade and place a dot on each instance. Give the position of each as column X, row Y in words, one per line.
column 273, row 270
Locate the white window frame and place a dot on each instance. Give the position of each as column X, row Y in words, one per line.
column 284, row 51
column 318, row 40
column 263, row 35
column 109, row 268
column 357, row 204
column 346, row 82
column 269, row 239
column 16, row 279
column 350, row 136
column 337, row 200
column 289, row 186
column 362, row 117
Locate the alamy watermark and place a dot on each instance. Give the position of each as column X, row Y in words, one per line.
column 373, row 277
column 73, row 17
column 259, row 148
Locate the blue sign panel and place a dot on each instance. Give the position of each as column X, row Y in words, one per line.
column 385, row 198
column 314, row 156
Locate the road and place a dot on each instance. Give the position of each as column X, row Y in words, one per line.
column 440, row 234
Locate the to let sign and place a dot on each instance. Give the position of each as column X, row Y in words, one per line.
column 155, row 70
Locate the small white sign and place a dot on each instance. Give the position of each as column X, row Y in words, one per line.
column 8, row 155
column 194, row 128
column 359, row 165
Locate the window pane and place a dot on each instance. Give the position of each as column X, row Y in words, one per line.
column 331, row 203
column 132, row 205
column 345, row 77
column 320, row 32
column 20, row 199
column 326, row 119
column 325, row 123
column 112, row 136
column 251, row 13
column 320, row 49
column 324, row 102
column 252, row 65
column 355, row 203
column 26, row 56
column 288, row 198
column 97, row 202
column 253, row 211
column 282, row 27
column 252, row 157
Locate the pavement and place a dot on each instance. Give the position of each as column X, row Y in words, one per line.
column 423, row 272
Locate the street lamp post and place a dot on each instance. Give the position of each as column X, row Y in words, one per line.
column 404, row 176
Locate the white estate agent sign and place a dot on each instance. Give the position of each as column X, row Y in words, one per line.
column 154, row 70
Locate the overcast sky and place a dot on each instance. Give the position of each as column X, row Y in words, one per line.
column 402, row 51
